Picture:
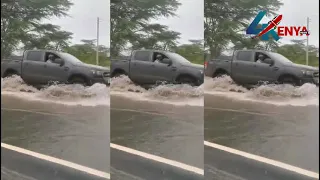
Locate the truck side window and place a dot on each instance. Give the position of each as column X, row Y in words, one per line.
column 244, row 56
column 54, row 56
column 158, row 57
column 142, row 56
column 260, row 57
column 35, row 56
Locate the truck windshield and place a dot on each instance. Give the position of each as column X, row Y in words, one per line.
column 280, row 58
column 177, row 57
column 70, row 58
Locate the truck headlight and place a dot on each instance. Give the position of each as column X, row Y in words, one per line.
column 307, row 73
column 96, row 73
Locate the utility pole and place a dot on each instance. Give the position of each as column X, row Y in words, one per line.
column 307, row 47
column 97, row 49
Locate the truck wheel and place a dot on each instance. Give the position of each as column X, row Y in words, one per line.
column 10, row 74
column 289, row 80
column 187, row 80
column 78, row 80
column 118, row 74
column 220, row 74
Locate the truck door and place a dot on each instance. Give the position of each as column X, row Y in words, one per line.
column 32, row 67
column 242, row 67
column 263, row 71
column 140, row 65
column 162, row 72
column 54, row 71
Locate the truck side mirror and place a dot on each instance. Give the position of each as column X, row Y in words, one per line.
column 269, row 61
column 167, row 61
column 59, row 61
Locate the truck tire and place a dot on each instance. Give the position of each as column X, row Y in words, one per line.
column 220, row 73
column 187, row 80
column 287, row 79
column 78, row 80
column 118, row 72
column 10, row 74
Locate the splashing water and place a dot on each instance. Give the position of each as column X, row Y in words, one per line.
column 71, row 94
column 177, row 94
column 280, row 94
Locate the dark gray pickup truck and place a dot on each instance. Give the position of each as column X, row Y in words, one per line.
column 245, row 68
column 34, row 69
column 142, row 68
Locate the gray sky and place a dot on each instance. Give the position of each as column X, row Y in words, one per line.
column 189, row 20
column 295, row 13
column 83, row 19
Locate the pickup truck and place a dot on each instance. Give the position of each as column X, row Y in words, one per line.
column 34, row 69
column 142, row 68
column 244, row 69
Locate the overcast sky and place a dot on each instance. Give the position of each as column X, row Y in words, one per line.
column 295, row 13
column 189, row 20
column 83, row 20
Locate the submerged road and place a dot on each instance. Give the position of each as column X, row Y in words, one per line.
column 287, row 134
column 77, row 134
column 167, row 131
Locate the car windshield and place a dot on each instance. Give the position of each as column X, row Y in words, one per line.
column 280, row 58
column 177, row 57
column 70, row 58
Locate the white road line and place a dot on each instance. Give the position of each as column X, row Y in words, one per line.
column 144, row 111
column 158, row 159
column 57, row 161
column 35, row 112
column 264, row 160
column 242, row 111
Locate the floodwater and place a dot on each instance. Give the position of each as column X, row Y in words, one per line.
column 178, row 95
column 166, row 121
column 69, row 122
column 279, row 122
column 71, row 94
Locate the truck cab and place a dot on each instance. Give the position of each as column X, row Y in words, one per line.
column 35, row 68
column 247, row 69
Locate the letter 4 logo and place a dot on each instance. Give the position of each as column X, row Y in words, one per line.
column 265, row 31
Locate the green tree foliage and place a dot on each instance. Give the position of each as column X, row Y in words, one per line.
column 21, row 22
column 194, row 52
column 296, row 52
column 154, row 36
column 46, row 36
column 130, row 24
column 86, row 52
column 226, row 20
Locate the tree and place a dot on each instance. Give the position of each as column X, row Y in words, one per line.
column 226, row 19
column 46, row 36
column 194, row 52
column 86, row 52
column 130, row 23
column 154, row 36
column 20, row 20
column 296, row 52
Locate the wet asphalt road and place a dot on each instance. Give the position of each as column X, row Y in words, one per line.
column 168, row 131
column 73, row 133
column 284, row 133
column 17, row 166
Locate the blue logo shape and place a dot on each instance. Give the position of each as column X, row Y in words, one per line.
column 255, row 28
